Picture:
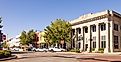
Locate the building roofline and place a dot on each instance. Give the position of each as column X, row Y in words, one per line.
column 93, row 15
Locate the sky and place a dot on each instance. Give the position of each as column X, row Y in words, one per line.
column 19, row 15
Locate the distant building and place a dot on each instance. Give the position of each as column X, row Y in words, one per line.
column 14, row 42
column 96, row 31
column 41, row 42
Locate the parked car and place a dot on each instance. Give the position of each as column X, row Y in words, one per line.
column 33, row 49
column 55, row 49
column 16, row 49
column 4, row 48
column 42, row 49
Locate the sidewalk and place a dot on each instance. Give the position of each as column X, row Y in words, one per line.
column 9, row 58
column 94, row 56
column 86, row 53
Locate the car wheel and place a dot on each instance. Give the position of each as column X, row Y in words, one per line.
column 52, row 50
column 45, row 51
column 34, row 50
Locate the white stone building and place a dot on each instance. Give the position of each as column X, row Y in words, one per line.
column 14, row 41
column 98, row 30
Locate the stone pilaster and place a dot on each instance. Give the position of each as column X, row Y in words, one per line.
column 106, row 50
column 89, row 38
column 111, row 36
column 97, row 37
column 82, row 43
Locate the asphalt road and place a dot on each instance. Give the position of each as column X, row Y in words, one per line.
column 64, row 57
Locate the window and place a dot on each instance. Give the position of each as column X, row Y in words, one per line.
column 94, row 42
column 94, row 28
column 103, row 42
column 79, row 30
column 116, row 45
column 103, row 27
column 116, row 27
column 86, row 29
column 73, row 31
column 73, row 43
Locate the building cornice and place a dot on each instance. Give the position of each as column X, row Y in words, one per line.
column 96, row 16
column 91, row 19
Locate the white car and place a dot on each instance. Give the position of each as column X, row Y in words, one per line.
column 42, row 49
column 16, row 49
column 33, row 49
column 55, row 49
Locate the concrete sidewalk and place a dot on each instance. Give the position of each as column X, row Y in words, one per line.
column 9, row 58
column 86, row 53
column 93, row 56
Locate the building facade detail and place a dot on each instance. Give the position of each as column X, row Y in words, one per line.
column 96, row 31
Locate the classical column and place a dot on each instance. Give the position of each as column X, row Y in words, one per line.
column 106, row 50
column 111, row 36
column 89, row 39
column 75, row 38
column 82, row 43
column 97, row 37
column 83, row 38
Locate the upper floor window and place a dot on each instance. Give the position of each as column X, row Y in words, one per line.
column 79, row 30
column 103, row 41
column 103, row 27
column 73, row 31
column 86, row 29
column 94, row 28
column 116, row 43
column 94, row 42
column 116, row 27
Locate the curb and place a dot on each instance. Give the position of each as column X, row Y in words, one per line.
column 9, row 58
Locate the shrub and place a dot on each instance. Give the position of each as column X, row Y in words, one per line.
column 5, row 53
column 93, row 49
column 75, row 50
column 101, row 50
column 1, row 54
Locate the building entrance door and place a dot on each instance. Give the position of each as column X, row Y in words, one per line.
column 86, row 46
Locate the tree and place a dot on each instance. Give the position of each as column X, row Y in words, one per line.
column 32, row 37
column 27, row 38
column 58, row 32
column 24, row 38
column 1, row 33
column 5, row 44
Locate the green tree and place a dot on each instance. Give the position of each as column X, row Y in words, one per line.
column 24, row 38
column 32, row 37
column 5, row 45
column 0, row 33
column 27, row 38
column 58, row 31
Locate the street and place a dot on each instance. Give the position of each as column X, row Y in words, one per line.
column 64, row 57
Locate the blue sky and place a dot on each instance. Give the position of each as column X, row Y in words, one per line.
column 19, row 15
